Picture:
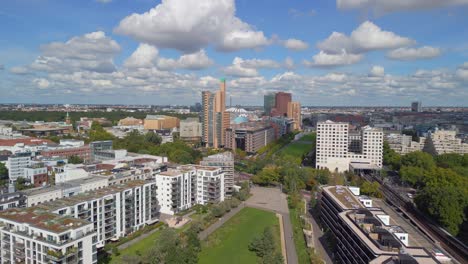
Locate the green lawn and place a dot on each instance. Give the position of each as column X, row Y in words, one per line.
column 140, row 247
column 229, row 244
column 296, row 149
column 308, row 137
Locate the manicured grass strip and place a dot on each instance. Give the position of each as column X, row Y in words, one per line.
column 299, row 241
column 141, row 247
column 229, row 244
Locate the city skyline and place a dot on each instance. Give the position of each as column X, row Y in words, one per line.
column 150, row 52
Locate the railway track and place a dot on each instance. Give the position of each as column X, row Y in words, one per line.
column 441, row 238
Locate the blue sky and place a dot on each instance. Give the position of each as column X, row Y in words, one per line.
column 383, row 52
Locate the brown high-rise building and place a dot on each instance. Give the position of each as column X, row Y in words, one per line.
column 294, row 112
column 215, row 119
column 281, row 104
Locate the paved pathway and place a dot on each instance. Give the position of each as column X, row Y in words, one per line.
column 205, row 233
column 273, row 199
column 319, row 240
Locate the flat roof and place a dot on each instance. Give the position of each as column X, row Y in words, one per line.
column 171, row 173
column 42, row 219
column 344, row 197
column 90, row 195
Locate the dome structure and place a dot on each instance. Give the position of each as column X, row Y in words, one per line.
column 240, row 119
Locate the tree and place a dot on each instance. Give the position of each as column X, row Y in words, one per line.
column 412, row 175
column 153, row 138
column 3, row 171
column 418, row 159
column 180, row 156
column 163, row 246
column 371, row 189
column 22, row 184
column 97, row 133
column 75, row 160
column 268, row 175
column 264, row 247
column 447, row 204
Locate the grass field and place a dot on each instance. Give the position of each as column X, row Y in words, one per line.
column 309, row 137
column 296, row 149
column 141, row 247
column 229, row 244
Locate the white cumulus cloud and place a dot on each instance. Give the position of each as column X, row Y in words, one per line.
column 195, row 61
column 92, row 52
column 324, row 59
column 366, row 37
column 41, row 83
column 407, row 54
column 238, row 69
column 295, row 44
column 143, row 57
column 377, row 71
column 190, row 25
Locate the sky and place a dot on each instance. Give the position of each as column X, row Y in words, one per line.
column 325, row 52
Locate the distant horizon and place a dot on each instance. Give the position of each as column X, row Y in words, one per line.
column 227, row 106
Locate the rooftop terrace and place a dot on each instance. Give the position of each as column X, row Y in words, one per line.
column 42, row 219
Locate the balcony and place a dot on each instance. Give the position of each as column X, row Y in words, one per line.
column 19, row 245
column 57, row 255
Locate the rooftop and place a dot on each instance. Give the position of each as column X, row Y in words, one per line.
column 89, row 196
column 344, row 196
column 25, row 141
column 42, row 219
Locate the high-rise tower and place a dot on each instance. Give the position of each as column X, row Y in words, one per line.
column 215, row 120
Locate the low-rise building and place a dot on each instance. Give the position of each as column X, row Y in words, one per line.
column 130, row 122
column 443, row 142
column 155, row 122
column 11, row 199
column 249, row 137
column 36, row 174
column 68, row 148
column 404, row 144
column 365, row 233
column 34, row 235
column 191, row 130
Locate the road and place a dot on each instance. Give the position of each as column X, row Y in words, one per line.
column 273, row 199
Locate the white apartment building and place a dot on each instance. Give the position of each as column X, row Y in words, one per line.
column 445, row 141
column 6, row 131
column 224, row 160
column 209, row 184
column 69, row 172
column 46, row 194
column 114, row 211
column 403, row 144
column 339, row 150
column 34, row 235
column 16, row 165
column 181, row 188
